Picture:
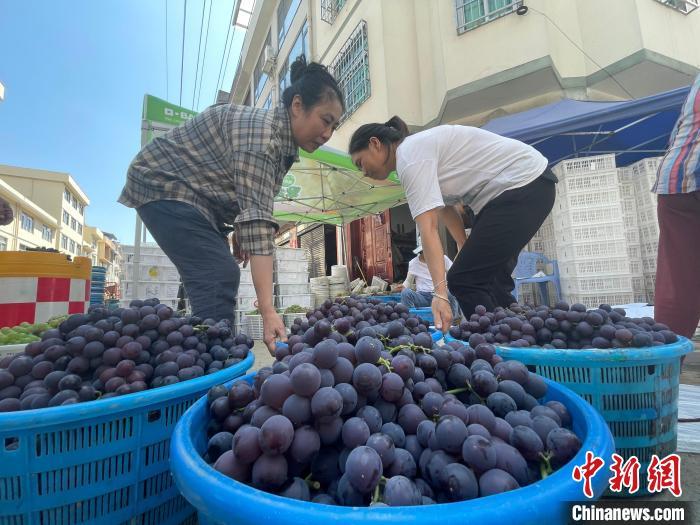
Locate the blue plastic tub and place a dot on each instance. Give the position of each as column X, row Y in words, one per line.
column 102, row 462
column 634, row 389
column 221, row 500
column 424, row 313
column 386, row 298
column 435, row 334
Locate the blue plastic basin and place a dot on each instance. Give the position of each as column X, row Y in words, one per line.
column 221, row 500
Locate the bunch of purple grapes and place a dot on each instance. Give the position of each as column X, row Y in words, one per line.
column 348, row 316
column 562, row 326
column 105, row 353
column 389, row 419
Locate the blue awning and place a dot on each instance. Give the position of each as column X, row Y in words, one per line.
column 631, row 129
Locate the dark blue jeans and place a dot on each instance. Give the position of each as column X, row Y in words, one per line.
column 200, row 253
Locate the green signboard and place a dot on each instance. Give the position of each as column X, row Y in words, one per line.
column 159, row 116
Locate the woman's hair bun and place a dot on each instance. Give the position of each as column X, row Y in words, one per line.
column 298, row 68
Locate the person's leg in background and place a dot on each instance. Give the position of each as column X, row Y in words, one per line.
column 200, row 253
column 414, row 299
column 677, row 290
column 502, row 229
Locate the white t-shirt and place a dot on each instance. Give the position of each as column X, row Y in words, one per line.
column 424, row 282
column 448, row 164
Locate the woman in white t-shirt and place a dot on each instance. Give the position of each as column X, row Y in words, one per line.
column 505, row 183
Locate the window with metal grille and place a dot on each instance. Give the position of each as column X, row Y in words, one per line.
column 684, row 6
column 66, row 195
column 3, row 244
column 26, row 222
column 66, row 218
column 259, row 75
column 268, row 101
column 80, row 228
column 73, row 223
column 64, row 242
column 330, row 9
column 350, row 67
column 72, row 246
column 473, row 13
column 300, row 47
column 286, row 10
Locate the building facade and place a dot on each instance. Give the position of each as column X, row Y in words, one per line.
column 60, row 196
column 32, row 226
column 462, row 62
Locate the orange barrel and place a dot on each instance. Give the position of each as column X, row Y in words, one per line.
column 36, row 286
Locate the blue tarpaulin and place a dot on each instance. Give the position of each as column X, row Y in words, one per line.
column 631, row 129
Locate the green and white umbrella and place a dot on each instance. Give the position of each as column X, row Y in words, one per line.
column 325, row 186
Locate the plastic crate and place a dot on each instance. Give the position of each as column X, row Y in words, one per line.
column 290, row 254
column 292, row 289
column 634, row 389
column 164, row 290
column 292, row 265
column 289, row 318
column 386, row 298
column 221, row 500
column 595, row 300
column 303, row 300
column 253, row 326
column 246, row 303
column 102, row 462
column 604, row 284
column 246, row 289
column 246, row 276
column 152, row 272
column 424, row 313
column 157, row 260
column 292, row 277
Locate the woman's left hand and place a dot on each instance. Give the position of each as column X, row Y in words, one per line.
column 442, row 314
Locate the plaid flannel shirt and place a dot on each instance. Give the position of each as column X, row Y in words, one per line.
column 228, row 162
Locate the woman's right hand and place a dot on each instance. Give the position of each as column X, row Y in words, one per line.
column 273, row 330
column 442, row 314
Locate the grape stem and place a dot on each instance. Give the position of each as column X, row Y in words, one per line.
column 375, row 497
column 545, row 466
column 386, row 363
column 311, row 483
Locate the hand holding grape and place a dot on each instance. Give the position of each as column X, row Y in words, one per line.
column 273, row 330
column 442, row 313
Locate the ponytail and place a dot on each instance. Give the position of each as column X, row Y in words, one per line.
column 392, row 131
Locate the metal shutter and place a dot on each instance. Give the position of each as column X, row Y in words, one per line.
column 314, row 242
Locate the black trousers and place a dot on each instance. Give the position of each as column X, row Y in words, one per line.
column 200, row 253
column 481, row 273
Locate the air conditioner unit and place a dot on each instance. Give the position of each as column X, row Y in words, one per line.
column 269, row 60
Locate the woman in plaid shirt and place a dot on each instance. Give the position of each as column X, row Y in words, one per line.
column 220, row 171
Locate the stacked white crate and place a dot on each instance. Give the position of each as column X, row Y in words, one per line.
column 292, row 278
column 157, row 275
column 246, row 300
column 644, row 173
column 630, row 215
column 589, row 231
